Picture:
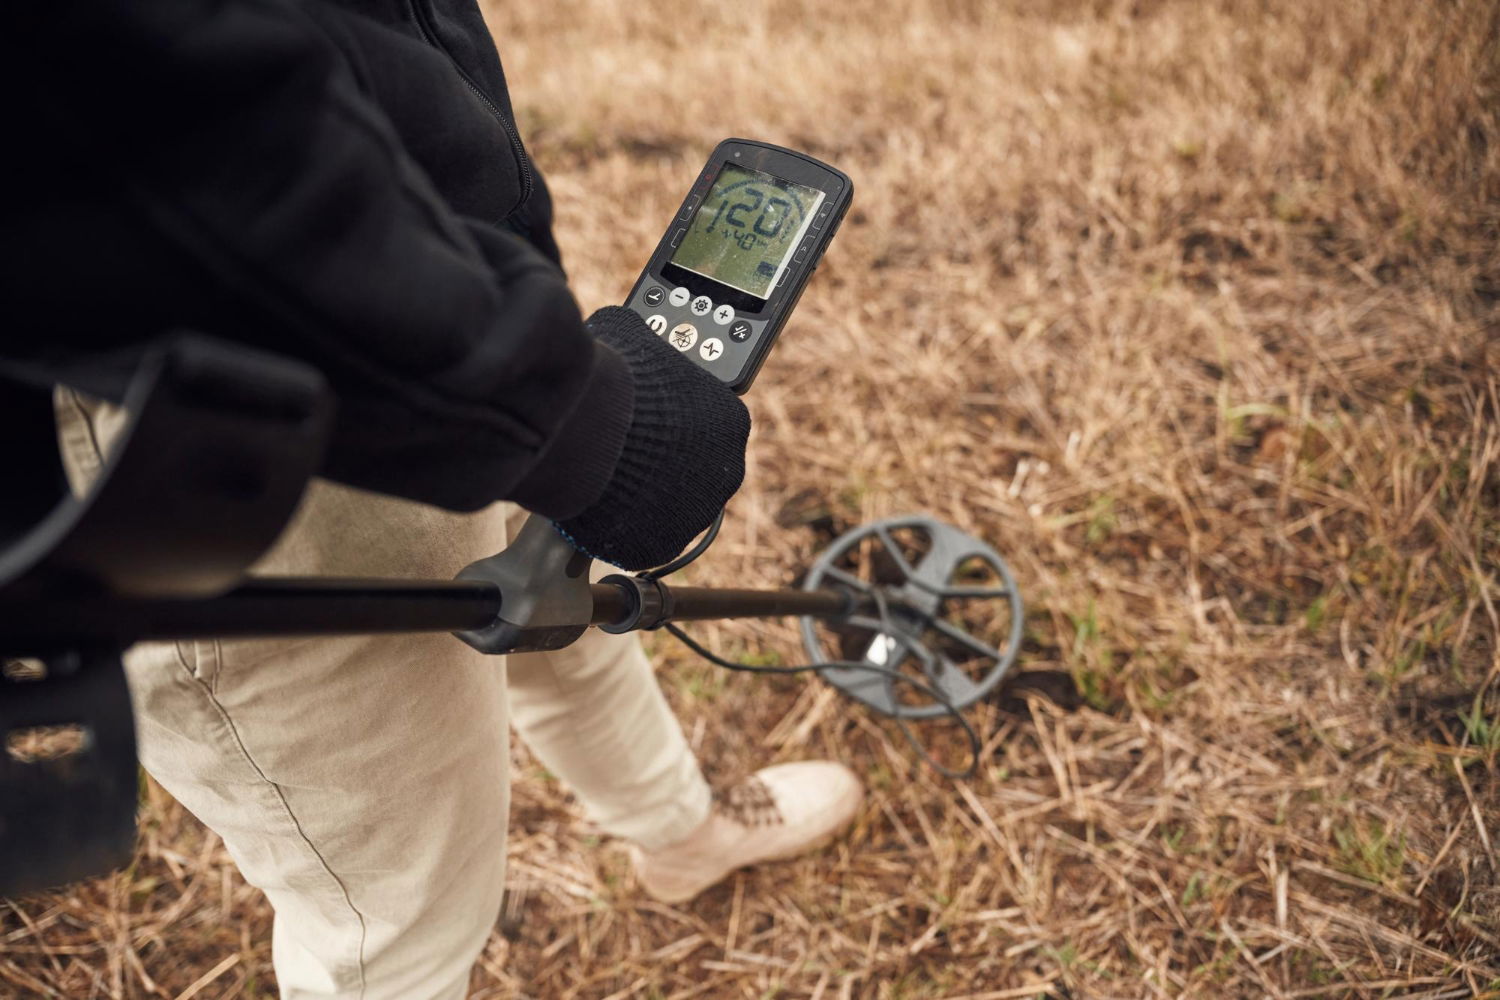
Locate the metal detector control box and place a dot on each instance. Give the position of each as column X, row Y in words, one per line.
column 732, row 265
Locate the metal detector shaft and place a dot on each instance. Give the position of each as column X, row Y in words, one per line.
column 615, row 603
column 260, row 608
column 290, row 606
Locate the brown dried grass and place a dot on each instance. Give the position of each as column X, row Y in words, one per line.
column 1191, row 308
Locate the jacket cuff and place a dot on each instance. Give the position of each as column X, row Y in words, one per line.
column 574, row 468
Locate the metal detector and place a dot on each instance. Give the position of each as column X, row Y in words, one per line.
column 222, row 440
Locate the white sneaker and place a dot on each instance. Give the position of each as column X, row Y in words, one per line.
column 778, row 812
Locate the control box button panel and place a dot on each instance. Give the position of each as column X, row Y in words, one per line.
column 678, row 316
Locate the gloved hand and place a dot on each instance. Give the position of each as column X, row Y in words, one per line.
column 683, row 457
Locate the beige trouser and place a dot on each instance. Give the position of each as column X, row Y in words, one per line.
column 362, row 782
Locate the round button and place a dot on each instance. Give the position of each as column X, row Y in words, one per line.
column 701, row 305
column 654, row 295
column 740, row 332
column 679, row 296
column 683, row 336
column 723, row 314
column 711, row 349
column 657, row 323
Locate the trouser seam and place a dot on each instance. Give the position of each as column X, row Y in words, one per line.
column 224, row 716
column 88, row 455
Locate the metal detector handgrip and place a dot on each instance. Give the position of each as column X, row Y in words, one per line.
column 545, row 600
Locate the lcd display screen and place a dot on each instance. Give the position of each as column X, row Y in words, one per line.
column 745, row 231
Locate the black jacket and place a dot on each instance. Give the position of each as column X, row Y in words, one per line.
column 338, row 181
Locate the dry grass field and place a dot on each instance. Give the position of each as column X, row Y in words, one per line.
column 1193, row 310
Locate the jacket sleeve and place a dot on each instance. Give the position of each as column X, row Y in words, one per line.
column 272, row 203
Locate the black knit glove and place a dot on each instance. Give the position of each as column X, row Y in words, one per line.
column 683, row 458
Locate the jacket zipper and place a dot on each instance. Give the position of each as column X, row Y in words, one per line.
column 523, row 163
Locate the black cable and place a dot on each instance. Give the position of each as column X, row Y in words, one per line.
column 690, row 555
column 976, row 746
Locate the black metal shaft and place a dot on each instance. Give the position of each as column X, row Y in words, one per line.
column 311, row 606
column 612, row 604
column 266, row 606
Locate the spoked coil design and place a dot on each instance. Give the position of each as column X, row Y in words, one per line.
column 947, row 595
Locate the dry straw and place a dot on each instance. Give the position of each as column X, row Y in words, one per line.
column 1191, row 309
